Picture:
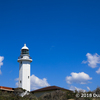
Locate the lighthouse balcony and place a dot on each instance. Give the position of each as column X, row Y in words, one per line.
column 24, row 56
column 23, row 59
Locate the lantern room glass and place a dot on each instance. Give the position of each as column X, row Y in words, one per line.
column 25, row 51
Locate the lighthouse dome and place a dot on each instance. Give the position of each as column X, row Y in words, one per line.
column 24, row 49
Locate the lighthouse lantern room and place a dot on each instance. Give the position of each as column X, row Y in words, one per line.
column 24, row 68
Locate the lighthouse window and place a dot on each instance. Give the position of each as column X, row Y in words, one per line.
column 28, row 76
column 20, row 81
column 25, row 51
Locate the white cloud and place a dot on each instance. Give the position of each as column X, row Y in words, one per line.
column 81, row 78
column 16, row 84
column 92, row 60
column 38, row 83
column 0, row 72
column 84, row 62
column 98, row 71
column 1, row 59
column 17, row 79
column 73, row 88
column 1, row 63
column 88, row 88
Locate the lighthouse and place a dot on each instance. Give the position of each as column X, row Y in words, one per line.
column 24, row 68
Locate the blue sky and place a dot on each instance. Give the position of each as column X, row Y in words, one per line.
column 63, row 37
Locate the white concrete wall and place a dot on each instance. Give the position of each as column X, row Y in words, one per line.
column 24, row 75
column 20, row 75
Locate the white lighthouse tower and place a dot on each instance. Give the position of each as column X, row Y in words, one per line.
column 24, row 68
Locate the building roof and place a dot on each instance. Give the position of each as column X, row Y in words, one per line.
column 50, row 88
column 6, row 88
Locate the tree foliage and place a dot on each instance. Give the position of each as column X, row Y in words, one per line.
column 55, row 95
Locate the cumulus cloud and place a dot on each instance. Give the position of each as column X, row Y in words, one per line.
column 81, row 78
column 1, row 59
column 88, row 88
column 92, row 60
column 17, row 79
column 0, row 72
column 16, row 84
column 38, row 83
column 1, row 63
column 84, row 62
column 98, row 71
column 73, row 88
